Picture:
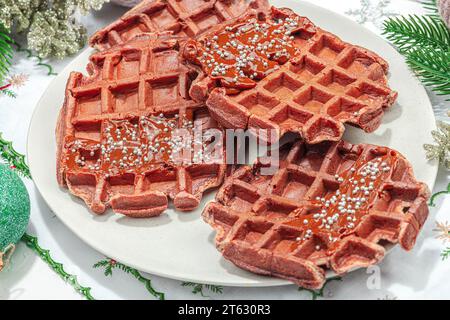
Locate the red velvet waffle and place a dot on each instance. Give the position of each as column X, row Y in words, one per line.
column 328, row 206
column 280, row 71
column 182, row 17
column 116, row 133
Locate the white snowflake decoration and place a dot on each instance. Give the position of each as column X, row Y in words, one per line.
column 372, row 11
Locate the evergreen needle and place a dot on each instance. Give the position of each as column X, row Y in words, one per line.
column 432, row 67
column 415, row 31
column 425, row 42
column 6, row 53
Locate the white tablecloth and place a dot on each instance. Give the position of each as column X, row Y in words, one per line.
column 419, row 274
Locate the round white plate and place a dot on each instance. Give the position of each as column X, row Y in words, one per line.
column 180, row 245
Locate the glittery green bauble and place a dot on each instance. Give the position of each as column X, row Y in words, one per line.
column 14, row 207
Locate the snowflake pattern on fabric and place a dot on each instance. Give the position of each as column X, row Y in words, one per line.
column 371, row 11
column 443, row 229
column 14, row 81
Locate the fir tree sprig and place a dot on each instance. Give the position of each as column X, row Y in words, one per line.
column 414, row 31
column 32, row 243
column 9, row 93
column 109, row 265
column 430, row 5
column 445, row 254
column 6, row 52
column 425, row 42
column 315, row 294
column 197, row 288
column 432, row 67
column 14, row 158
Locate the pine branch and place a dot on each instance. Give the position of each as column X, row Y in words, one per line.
column 6, row 52
column 430, row 5
column 106, row 265
column 9, row 93
column 198, row 288
column 445, row 253
column 214, row 289
column 432, row 67
column 109, row 265
column 413, row 31
column 425, row 41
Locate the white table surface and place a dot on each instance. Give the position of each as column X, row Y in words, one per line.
column 418, row 274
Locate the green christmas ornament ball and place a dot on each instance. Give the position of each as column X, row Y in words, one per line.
column 14, row 210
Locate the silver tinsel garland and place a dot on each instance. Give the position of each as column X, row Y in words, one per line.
column 49, row 25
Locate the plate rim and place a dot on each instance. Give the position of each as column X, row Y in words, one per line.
column 271, row 282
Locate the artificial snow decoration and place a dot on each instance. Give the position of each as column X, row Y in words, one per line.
column 50, row 25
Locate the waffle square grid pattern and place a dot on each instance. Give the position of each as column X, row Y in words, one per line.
column 329, row 83
column 181, row 17
column 125, row 88
column 318, row 212
column 256, row 217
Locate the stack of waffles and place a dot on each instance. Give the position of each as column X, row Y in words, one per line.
column 147, row 124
